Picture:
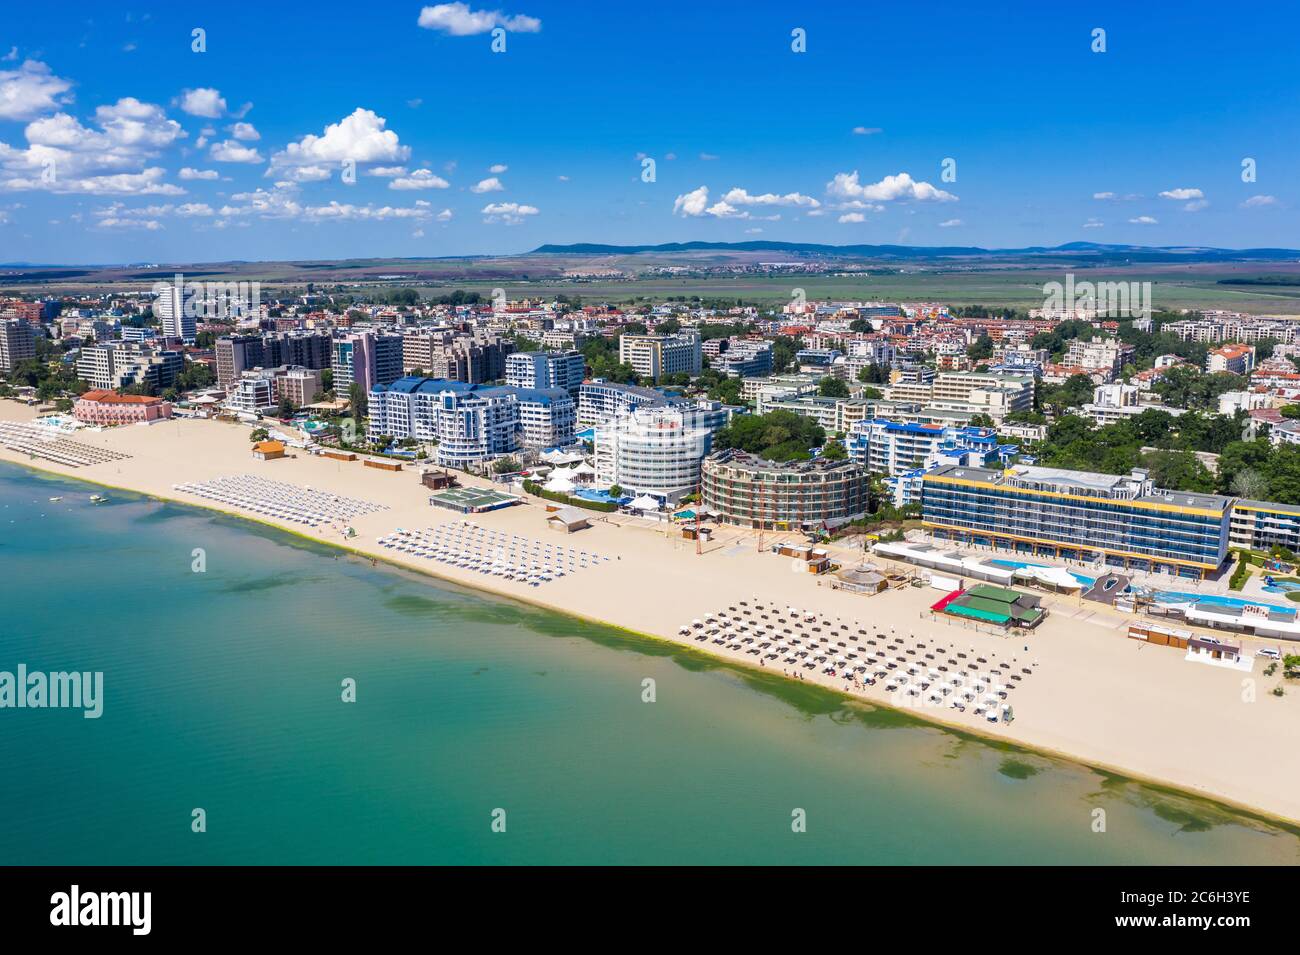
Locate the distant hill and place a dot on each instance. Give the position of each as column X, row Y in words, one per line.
column 1091, row 250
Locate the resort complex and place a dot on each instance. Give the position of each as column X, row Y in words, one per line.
column 1120, row 521
column 748, row 491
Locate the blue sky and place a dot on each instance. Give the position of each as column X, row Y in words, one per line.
column 118, row 143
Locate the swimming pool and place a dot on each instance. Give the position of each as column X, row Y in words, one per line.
column 1081, row 578
column 601, row 496
column 1178, row 597
column 1282, row 587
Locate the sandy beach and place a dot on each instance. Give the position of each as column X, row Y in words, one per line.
column 1093, row 695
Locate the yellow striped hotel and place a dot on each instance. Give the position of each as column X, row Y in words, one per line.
column 1118, row 521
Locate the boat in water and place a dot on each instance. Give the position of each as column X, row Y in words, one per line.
column 97, row 499
column 56, row 499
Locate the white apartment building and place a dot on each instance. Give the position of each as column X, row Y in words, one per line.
column 969, row 393
column 599, row 401
column 1105, row 353
column 655, row 451
column 253, row 393
column 1118, row 402
column 540, row 369
column 472, row 423
column 169, row 309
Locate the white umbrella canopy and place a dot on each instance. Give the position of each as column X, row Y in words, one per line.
column 558, row 483
column 644, row 503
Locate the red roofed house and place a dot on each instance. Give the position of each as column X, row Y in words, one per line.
column 110, row 408
column 1237, row 359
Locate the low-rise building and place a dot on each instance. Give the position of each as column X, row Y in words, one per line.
column 108, row 408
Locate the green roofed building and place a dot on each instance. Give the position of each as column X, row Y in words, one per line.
column 997, row 605
column 470, row 500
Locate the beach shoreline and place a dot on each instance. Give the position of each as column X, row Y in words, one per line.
column 648, row 618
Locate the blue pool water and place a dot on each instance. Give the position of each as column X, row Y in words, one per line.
column 603, row 496
column 1174, row 597
column 1281, row 587
column 1081, row 578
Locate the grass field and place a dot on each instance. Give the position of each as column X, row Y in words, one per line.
column 1174, row 286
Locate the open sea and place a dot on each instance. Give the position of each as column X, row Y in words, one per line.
column 222, row 692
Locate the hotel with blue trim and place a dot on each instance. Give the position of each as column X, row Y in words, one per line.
column 1123, row 522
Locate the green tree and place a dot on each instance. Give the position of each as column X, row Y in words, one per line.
column 778, row 435
column 830, row 387
column 357, row 398
column 1178, row 471
column 981, row 349
column 834, row 451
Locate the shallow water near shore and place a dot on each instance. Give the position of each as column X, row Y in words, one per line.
column 222, row 692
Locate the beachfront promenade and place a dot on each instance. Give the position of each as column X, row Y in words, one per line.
column 1094, row 695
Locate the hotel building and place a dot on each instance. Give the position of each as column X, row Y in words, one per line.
column 17, row 343
column 1262, row 525
column 1122, row 521
column 599, row 401
column 970, row 393
column 237, row 354
column 445, row 353
column 107, row 408
column 655, row 451
column 367, row 359
column 541, row 369
column 747, row 490
column 654, row 356
column 471, row 423
column 111, row 366
column 1234, row 359
column 745, row 358
column 892, row 448
column 177, row 321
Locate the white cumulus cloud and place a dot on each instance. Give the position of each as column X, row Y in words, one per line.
column 231, row 150
column 31, row 90
column 692, row 203
column 420, row 179
column 457, row 19
column 204, row 101
column 900, row 187
column 510, row 213
column 360, row 137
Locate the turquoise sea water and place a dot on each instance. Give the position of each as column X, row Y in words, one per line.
column 222, row 691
